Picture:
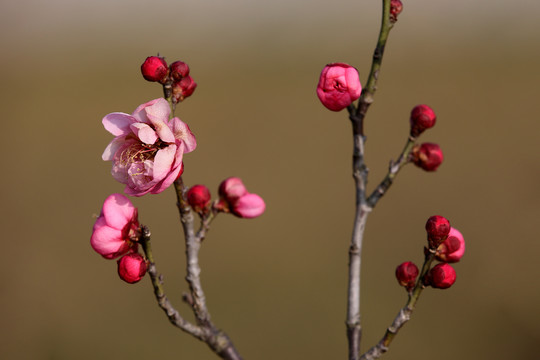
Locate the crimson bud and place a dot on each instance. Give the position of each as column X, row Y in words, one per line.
column 441, row 276
column 427, row 156
column 422, row 118
column 198, row 197
column 437, row 228
column 406, row 274
column 131, row 268
column 396, row 6
column 183, row 88
column 179, row 69
column 154, row 68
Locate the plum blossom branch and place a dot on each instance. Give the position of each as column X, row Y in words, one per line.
column 360, row 174
column 393, row 170
column 216, row 339
column 157, row 283
column 404, row 313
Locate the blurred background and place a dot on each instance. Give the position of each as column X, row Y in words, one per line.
column 276, row 284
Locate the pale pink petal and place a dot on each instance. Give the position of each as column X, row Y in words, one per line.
column 163, row 162
column 181, row 131
column 458, row 254
column 180, row 146
column 117, row 123
column 144, row 132
column 165, row 183
column 158, row 110
column 112, row 148
column 249, row 206
column 118, row 211
column 140, row 111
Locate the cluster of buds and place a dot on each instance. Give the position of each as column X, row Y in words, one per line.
column 176, row 81
column 448, row 246
column 427, row 156
column 116, row 233
column 233, row 198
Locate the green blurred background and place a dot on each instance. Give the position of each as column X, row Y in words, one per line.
column 276, row 284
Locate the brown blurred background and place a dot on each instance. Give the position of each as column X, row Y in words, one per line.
column 276, row 284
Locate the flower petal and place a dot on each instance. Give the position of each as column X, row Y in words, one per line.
column 163, row 162
column 182, row 131
column 117, row 123
column 144, row 132
column 118, row 211
column 107, row 241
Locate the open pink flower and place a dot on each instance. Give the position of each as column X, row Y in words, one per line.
column 148, row 148
column 339, row 85
column 116, row 229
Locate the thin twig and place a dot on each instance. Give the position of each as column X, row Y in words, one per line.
column 403, row 315
column 360, row 174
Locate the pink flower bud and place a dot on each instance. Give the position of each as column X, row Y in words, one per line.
column 427, row 156
column 441, row 276
column 116, row 230
column 132, row 268
column 437, row 228
column 406, row 274
column 198, row 197
column 231, row 189
column 422, row 118
column 154, row 68
column 249, row 206
column 452, row 249
column 339, row 85
column 183, row 88
column 179, row 69
column 396, row 6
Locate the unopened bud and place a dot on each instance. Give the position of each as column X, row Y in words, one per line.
column 452, row 249
column 422, row 118
column 183, row 88
column 441, row 276
column 396, row 6
column 231, row 189
column 406, row 274
column 437, row 228
column 179, row 70
column 132, row 268
column 198, row 197
column 427, row 156
column 249, row 206
column 339, row 85
column 154, row 68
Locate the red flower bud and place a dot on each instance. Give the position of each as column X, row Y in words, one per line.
column 406, row 274
column 183, row 88
column 339, row 85
column 422, row 118
column 131, row 268
column 198, row 197
column 236, row 199
column 396, row 6
column 179, row 69
column 231, row 189
column 441, row 276
column 154, row 68
column 452, row 249
column 427, row 156
column 437, row 228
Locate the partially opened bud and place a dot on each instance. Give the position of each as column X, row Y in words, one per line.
column 154, row 68
column 231, row 189
column 198, row 197
column 437, row 228
column 339, row 85
column 406, row 274
column 422, row 118
column 427, row 156
column 179, row 70
column 442, row 276
column 131, row 268
column 249, row 206
column 452, row 249
column 183, row 88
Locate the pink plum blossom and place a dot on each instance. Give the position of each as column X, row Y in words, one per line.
column 116, row 229
column 339, row 85
column 235, row 198
column 453, row 248
column 148, row 148
column 131, row 268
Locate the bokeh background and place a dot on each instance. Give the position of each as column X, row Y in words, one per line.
column 276, row 284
